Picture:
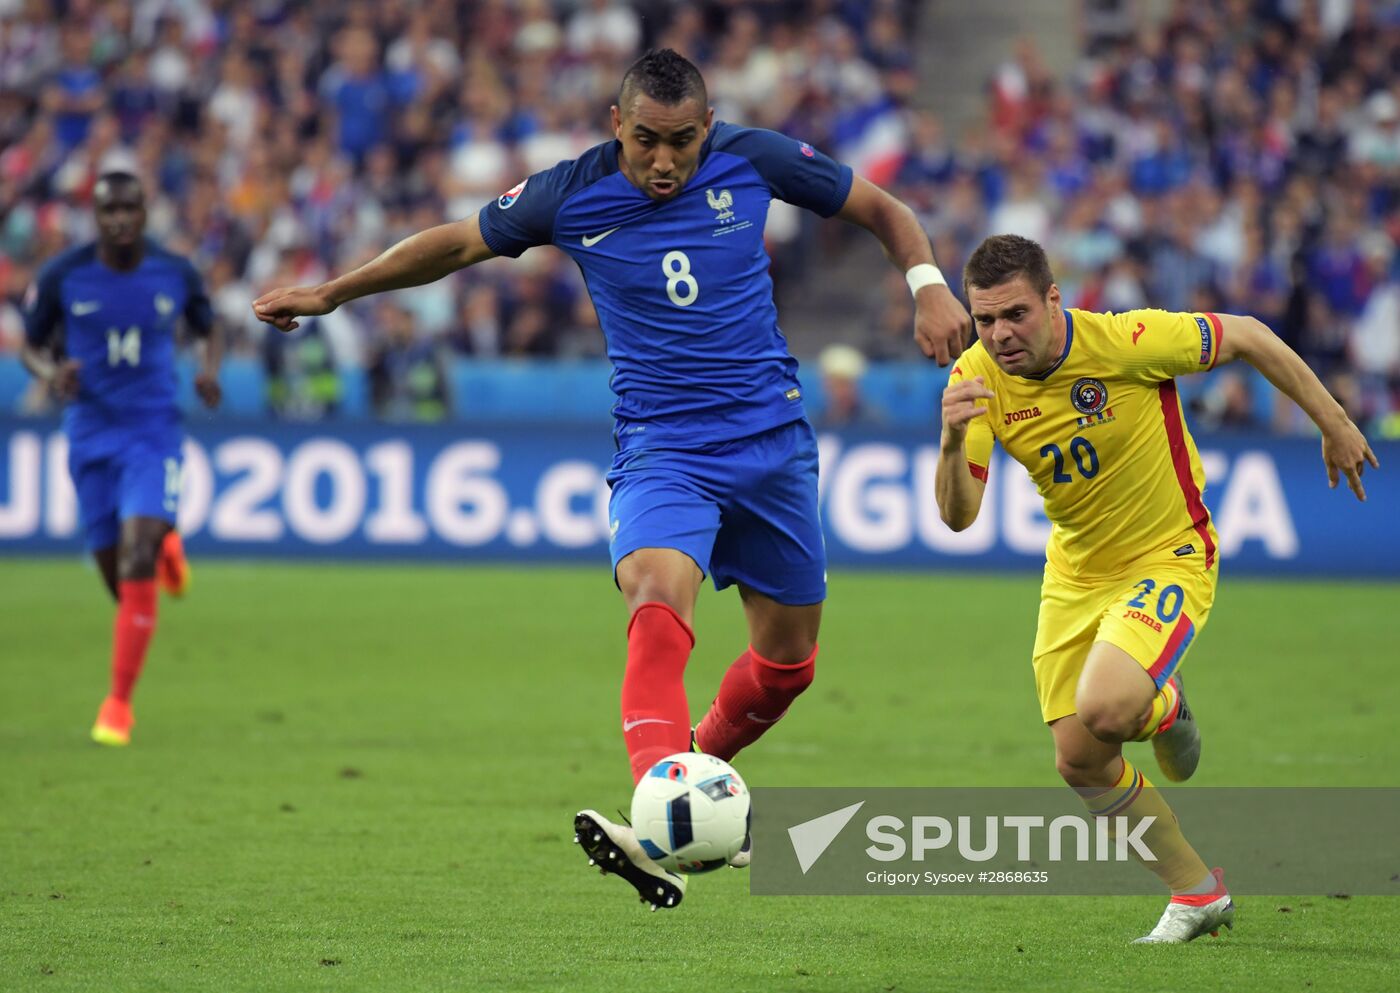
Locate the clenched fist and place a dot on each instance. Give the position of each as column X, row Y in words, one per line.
column 960, row 406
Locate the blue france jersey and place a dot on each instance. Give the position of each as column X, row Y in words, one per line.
column 120, row 326
column 681, row 287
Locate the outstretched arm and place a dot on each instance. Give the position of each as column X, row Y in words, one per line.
column 1344, row 447
column 421, row 258
column 941, row 325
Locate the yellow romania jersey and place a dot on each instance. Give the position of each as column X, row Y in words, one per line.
column 1103, row 436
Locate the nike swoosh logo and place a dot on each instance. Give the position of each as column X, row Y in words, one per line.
column 589, row 240
column 1138, row 333
column 629, row 725
column 762, row 720
column 83, row 308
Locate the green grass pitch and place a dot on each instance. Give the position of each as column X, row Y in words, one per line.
column 362, row 778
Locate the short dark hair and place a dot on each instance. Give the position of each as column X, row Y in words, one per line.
column 664, row 75
column 1003, row 257
column 119, row 177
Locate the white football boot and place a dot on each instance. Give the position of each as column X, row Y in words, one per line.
column 1178, row 748
column 614, row 848
column 1183, row 922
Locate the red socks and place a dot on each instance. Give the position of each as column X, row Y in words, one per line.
column 131, row 633
column 754, row 694
column 655, row 716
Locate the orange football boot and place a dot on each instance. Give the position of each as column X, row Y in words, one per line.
column 114, row 723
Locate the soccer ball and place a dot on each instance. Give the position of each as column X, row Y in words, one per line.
column 691, row 812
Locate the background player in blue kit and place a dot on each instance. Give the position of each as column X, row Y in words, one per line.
column 100, row 327
column 716, row 465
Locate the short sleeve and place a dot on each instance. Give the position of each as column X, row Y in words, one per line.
column 43, row 306
column 794, row 170
column 523, row 217
column 199, row 313
column 980, row 437
column 1158, row 345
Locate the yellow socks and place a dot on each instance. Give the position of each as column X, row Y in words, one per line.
column 1133, row 797
column 1163, row 704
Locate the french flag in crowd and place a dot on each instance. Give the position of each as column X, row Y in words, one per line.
column 873, row 140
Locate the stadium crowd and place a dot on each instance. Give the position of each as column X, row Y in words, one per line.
column 1239, row 156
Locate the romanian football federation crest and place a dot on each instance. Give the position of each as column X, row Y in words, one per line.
column 1089, row 396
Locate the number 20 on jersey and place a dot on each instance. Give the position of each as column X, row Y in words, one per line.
column 1086, row 460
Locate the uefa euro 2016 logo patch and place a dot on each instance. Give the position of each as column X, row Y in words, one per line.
column 511, row 195
column 1089, row 396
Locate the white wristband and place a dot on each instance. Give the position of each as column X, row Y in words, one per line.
column 924, row 274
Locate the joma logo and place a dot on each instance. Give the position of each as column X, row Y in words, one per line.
column 1022, row 415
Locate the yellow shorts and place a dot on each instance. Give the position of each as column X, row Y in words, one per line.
column 1154, row 619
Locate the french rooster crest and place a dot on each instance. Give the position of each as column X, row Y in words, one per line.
column 720, row 204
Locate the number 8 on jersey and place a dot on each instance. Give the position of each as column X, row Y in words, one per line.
column 681, row 286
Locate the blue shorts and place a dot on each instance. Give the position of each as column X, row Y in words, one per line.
column 745, row 510
column 140, row 478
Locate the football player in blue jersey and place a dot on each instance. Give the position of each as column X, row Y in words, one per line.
column 716, row 464
column 100, row 324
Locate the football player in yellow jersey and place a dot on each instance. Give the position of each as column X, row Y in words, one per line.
column 1088, row 404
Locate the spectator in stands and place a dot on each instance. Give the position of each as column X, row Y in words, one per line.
column 538, row 310
column 1377, row 143
column 1226, row 403
column 477, row 330
column 1322, row 147
column 407, row 376
column 604, row 25
column 892, row 313
column 228, row 296
column 1374, row 343
column 172, row 64
column 300, row 367
column 357, row 88
column 75, row 94
column 1336, row 268
column 842, row 369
